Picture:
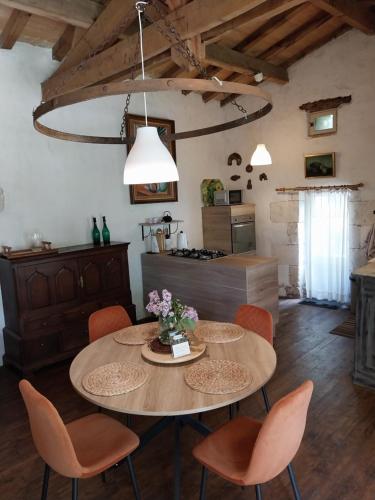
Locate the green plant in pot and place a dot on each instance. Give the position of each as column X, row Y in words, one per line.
column 174, row 317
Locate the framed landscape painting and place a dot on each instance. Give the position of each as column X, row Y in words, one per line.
column 320, row 165
column 153, row 193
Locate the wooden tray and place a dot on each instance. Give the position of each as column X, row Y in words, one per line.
column 197, row 349
column 28, row 252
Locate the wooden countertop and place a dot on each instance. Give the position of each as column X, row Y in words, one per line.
column 241, row 260
column 367, row 270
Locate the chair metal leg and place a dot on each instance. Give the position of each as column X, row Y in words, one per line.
column 297, row 493
column 258, row 492
column 202, row 491
column 47, row 470
column 266, row 400
column 104, row 479
column 232, row 411
column 129, row 420
column 133, row 478
column 74, row 488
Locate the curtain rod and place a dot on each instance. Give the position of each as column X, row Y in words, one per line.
column 352, row 187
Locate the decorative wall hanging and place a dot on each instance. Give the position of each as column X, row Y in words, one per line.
column 235, row 177
column 249, row 168
column 320, row 165
column 249, row 184
column 263, row 177
column 322, row 115
column 153, row 192
column 234, row 157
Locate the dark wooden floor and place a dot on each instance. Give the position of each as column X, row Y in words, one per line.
column 336, row 460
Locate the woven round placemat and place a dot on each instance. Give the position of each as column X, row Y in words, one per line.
column 113, row 379
column 218, row 376
column 215, row 332
column 137, row 334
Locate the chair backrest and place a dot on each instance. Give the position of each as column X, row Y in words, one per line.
column 280, row 435
column 107, row 320
column 50, row 435
column 256, row 319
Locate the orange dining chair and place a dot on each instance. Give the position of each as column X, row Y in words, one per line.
column 107, row 320
column 247, row 452
column 260, row 321
column 81, row 449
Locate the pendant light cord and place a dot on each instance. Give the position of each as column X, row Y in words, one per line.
column 140, row 8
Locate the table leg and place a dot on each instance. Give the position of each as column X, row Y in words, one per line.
column 177, row 458
column 154, row 431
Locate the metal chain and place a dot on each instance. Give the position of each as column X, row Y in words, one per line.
column 128, row 96
column 172, row 35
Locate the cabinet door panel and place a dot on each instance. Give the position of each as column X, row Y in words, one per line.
column 112, row 273
column 91, row 277
column 66, row 283
column 47, row 284
column 38, row 291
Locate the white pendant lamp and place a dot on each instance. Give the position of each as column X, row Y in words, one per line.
column 148, row 161
column 261, row 156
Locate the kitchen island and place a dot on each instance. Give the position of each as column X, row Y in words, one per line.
column 364, row 357
column 215, row 287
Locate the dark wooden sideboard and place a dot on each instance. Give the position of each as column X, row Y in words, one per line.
column 47, row 300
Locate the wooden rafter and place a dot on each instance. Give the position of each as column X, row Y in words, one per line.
column 329, row 28
column 66, row 42
column 238, row 62
column 115, row 18
column 189, row 20
column 351, row 12
column 80, row 13
column 262, row 12
column 13, row 29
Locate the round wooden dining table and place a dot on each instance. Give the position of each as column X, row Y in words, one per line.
column 165, row 393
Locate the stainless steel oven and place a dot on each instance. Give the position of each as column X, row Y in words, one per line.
column 243, row 233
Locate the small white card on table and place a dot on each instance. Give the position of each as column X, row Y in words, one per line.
column 180, row 346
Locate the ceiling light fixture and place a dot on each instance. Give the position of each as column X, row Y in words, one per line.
column 261, row 156
column 149, row 160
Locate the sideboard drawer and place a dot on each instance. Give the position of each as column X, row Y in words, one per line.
column 73, row 338
column 80, row 313
column 41, row 326
column 40, row 348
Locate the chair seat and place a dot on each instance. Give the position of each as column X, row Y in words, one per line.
column 100, row 442
column 228, row 450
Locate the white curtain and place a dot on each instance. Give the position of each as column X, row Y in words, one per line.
column 324, row 245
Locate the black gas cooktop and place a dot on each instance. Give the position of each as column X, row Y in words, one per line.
column 202, row 254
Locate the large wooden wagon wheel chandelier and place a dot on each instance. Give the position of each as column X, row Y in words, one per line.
column 149, row 160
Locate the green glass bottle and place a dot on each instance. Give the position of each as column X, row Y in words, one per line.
column 95, row 233
column 105, row 233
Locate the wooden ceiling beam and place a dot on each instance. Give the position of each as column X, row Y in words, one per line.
column 262, row 12
column 189, row 20
column 13, row 28
column 66, row 42
column 113, row 21
column 351, row 12
column 238, row 62
column 80, row 13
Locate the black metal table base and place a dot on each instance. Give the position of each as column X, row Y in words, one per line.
column 179, row 421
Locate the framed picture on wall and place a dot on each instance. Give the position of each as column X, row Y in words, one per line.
column 153, row 193
column 320, row 165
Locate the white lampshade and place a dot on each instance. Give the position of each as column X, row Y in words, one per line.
column 149, row 161
column 261, row 156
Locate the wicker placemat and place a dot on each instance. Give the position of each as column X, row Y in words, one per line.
column 137, row 334
column 113, row 379
column 215, row 332
column 218, row 376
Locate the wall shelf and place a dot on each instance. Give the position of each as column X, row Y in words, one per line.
column 160, row 224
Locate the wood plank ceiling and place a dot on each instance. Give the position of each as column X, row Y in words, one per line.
column 96, row 40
